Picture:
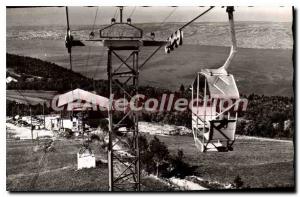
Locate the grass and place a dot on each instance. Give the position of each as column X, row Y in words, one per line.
column 64, row 180
column 58, row 171
column 260, row 164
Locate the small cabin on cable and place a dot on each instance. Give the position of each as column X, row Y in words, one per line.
column 215, row 99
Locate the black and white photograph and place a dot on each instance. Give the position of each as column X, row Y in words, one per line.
column 150, row 98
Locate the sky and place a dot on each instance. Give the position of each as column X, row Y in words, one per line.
column 86, row 15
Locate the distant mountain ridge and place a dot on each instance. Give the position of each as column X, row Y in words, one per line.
column 269, row 35
column 256, row 69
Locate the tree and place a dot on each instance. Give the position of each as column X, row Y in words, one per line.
column 146, row 157
column 179, row 168
column 238, row 183
column 104, row 125
column 181, row 89
column 160, row 153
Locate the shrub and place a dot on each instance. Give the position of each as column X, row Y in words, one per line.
column 178, row 168
column 104, row 125
column 68, row 133
column 95, row 137
column 238, row 183
column 155, row 158
column 160, row 154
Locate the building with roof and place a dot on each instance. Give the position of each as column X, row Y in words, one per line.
column 80, row 109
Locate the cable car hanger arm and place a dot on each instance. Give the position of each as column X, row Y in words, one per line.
column 233, row 50
column 176, row 38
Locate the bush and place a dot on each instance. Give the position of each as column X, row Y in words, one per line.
column 160, row 154
column 238, row 183
column 154, row 155
column 95, row 137
column 179, row 168
column 155, row 159
column 104, row 125
column 68, row 133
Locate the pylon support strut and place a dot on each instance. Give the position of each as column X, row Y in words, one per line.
column 123, row 158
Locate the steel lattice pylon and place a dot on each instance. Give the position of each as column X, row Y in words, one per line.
column 123, row 151
column 124, row 40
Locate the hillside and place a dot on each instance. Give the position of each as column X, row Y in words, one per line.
column 259, row 119
column 35, row 74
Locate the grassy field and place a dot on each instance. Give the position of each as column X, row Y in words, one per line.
column 260, row 164
column 260, row 71
column 58, row 171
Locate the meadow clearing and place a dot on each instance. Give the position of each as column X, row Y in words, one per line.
column 260, row 162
